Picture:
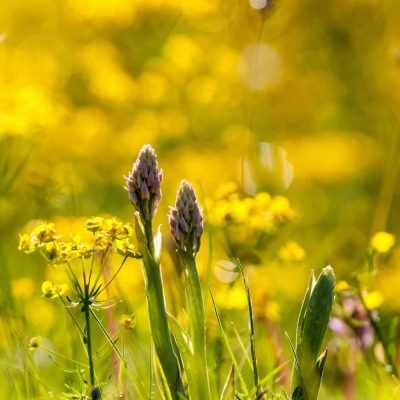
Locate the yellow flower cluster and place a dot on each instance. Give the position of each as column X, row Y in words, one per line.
column 39, row 237
column 262, row 212
column 106, row 233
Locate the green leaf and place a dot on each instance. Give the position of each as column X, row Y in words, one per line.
column 251, row 325
column 182, row 339
column 318, row 312
column 304, row 305
column 161, row 379
column 313, row 322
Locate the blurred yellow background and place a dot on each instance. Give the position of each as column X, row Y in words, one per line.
column 297, row 99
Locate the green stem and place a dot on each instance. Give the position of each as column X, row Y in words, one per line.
column 86, row 309
column 89, row 346
column 197, row 325
column 158, row 317
column 148, row 227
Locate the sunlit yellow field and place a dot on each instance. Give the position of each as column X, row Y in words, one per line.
column 118, row 281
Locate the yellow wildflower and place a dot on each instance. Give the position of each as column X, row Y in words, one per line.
column 382, row 242
column 34, row 343
column 232, row 297
column 85, row 250
column 47, row 289
column 102, row 241
column 26, row 244
column 44, row 233
column 94, row 224
column 342, row 286
column 51, row 291
column 261, row 222
column 60, row 289
column 67, row 252
column 262, row 200
column 127, row 231
column 127, row 249
column 226, row 190
column 373, row 300
column 51, row 251
column 239, row 211
column 280, row 209
column 127, row 322
column 292, row 251
column 113, row 227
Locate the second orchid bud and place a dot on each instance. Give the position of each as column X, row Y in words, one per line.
column 186, row 219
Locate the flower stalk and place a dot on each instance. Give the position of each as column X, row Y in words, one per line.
column 88, row 339
column 186, row 225
column 143, row 187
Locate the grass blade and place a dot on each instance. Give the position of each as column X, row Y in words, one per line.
column 228, row 346
column 252, row 335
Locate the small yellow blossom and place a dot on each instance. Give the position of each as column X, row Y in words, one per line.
column 239, row 211
column 127, row 232
column 232, row 297
column 67, row 252
column 60, row 289
column 94, row 224
column 44, row 233
column 292, row 251
column 127, row 249
column 34, row 343
column 85, row 250
column 113, row 227
column 262, row 200
column 261, row 222
column 382, row 242
column 373, row 300
column 26, row 244
column 127, row 322
column 47, row 289
column 51, row 291
column 102, row 241
column 51, row 251
column 280, row 209
column 226, row 190
column 342, row 286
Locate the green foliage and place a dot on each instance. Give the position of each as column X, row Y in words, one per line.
column 311, row 327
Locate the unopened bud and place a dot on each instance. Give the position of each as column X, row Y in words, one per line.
column 143, row 183
column 186, row 219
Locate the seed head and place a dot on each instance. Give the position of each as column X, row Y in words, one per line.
column 143, row 183
column 186, row 219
